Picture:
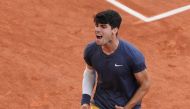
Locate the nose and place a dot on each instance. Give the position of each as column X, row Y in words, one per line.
column 97, row 29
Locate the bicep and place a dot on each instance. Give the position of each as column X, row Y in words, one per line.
column 142, row 76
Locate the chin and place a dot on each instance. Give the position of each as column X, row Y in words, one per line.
column 98, row 43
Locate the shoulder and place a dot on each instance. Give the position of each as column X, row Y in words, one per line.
column 132, row 51
column 90, row 48
column 91, row 45
column 135, row 57
column 129, row 47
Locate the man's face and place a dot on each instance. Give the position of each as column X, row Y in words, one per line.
column 104, row 34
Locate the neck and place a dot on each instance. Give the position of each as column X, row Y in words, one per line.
column 111, row 46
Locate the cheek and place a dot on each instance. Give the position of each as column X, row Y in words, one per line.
column 108, row 32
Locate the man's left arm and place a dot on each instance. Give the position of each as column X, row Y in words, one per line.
column 144, row 81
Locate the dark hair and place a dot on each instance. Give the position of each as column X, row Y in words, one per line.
column 110, row 17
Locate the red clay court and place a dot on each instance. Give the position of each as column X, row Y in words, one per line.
column 42, row 43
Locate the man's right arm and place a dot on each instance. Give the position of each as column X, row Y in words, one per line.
column 88, row 82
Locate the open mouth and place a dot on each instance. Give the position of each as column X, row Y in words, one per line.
column 98, row 37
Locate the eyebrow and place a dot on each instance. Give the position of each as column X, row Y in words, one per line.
column 103, row 25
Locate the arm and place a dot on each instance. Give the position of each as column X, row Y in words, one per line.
column 87, row 86
column 144, row 81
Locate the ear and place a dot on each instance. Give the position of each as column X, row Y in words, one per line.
column 115, row 30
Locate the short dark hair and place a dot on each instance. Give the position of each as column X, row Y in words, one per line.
column 110, row 17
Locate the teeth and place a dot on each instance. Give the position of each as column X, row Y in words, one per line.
column 98, row 37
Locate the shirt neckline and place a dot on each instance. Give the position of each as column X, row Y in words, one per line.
column 112, row 54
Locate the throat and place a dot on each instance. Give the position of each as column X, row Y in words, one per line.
column 108, row 52
column 110, row 48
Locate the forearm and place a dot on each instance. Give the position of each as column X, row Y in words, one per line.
column 140, row 93
column 87, row 85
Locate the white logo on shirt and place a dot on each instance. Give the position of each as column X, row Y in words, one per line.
column 117, row 65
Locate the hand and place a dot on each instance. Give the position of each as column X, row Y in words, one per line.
column 85, row 106
column 119, row 107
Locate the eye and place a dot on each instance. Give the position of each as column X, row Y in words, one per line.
column 104, row 26
column 96, row 25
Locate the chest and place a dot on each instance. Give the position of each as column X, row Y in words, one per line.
column 112, row 66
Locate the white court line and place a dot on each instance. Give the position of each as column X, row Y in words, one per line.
column 127, row 9
column 148, row 19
